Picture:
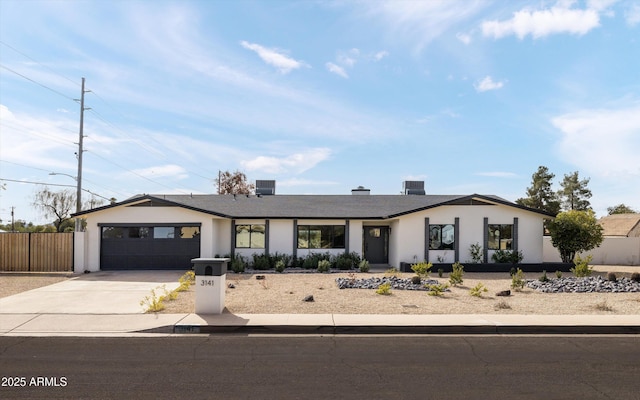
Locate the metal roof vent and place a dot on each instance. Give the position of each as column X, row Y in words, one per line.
column 360, row 190
column 265, row 187
column 413, row 187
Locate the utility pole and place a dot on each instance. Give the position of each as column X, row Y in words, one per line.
column 79, row 155
column 13, row 222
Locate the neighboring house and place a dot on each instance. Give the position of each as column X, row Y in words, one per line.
column 167, row 231
column 624, row 225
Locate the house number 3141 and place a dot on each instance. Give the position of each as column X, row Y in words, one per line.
column 206, row 282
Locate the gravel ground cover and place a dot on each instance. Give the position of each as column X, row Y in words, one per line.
column 284, row 294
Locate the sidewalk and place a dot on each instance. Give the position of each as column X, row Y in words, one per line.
column 329, row 324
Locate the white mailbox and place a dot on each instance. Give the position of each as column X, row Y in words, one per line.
column 210, row 284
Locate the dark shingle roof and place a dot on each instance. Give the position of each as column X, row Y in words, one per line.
column 313, row 206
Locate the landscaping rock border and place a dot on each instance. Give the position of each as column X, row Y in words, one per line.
column 374, row 283
column 590, row 284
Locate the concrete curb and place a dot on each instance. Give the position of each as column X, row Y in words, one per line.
column 408, row 330
column 336, row 324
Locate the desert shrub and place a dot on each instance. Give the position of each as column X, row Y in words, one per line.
column 416, row 280
column 169, row 295
column 582, row 267
column 261, row 262
column 437, row 290
column 612, row 277
column 440, row 272
column 421, row 269
column 558, row 274
column 363, row 266
column 153, row 303
column 517, row 280
column 455, row 277
column 311, row 261
column 544, row 277
column 238, row 263
column 478, row 289
column 324, row 265
column 635, row 277
column 280, row 266
column 346, row 261
column 186, row 280
column 384, row 289
column 507, row 256
column 476, row 253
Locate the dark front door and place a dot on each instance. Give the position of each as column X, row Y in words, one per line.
column 376, row 244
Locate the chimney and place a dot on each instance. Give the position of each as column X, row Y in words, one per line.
column 360, row 191
column 265, row 187
column 413, row 187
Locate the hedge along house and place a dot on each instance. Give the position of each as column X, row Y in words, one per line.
column 167, row 231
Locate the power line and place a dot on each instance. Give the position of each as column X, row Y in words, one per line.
column 37, row 83
column 138, row 142
column 38, row 62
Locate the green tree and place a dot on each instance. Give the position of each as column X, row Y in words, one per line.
column 574, row 193
column 540, row 195
column 234, row 183
column 621, row 209
column 573, row 232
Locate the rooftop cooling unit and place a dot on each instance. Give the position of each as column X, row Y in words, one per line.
column 413, row 187
column 265, row 187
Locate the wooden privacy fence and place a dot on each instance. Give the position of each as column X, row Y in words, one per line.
column 36, row 252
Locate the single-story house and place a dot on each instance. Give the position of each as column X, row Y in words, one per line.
column 167, row 231
column 621, row 225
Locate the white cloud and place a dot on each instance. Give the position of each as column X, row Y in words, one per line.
column 296, row 163
column 419, row 22
column 602, row 142
column 274, row 57
column 336, row 69
column 600, row 5
column 541, row 23
column 162, row 171
column 380, row 55
column 632, row 15
column 463, row 37
column 487, row 84
column 348, row 58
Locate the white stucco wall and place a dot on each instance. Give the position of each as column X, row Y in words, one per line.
column 146, row 215
column 355, row 237
column 612, row 251
column 281, row 236
column 409, row 236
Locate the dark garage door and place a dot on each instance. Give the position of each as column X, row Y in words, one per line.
column 148, row 246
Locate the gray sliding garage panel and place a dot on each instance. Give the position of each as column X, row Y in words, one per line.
column 148, row 246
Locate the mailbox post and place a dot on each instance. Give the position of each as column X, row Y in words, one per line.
column 210, row 284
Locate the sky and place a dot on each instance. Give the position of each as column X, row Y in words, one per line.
column 470, row 96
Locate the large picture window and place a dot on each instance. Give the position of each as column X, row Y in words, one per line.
column 250, row 236
column 442, row 237
column 500, row 237
column 321, row 236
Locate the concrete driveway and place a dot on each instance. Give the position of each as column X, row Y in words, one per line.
column 117, row 292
